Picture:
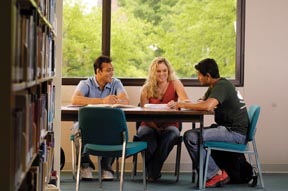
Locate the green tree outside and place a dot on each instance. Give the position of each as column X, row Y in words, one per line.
column 183, row 31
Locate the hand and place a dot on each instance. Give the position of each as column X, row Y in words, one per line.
column 172, row 104
column 178, row 105
column 200, row 100
column 110, row 99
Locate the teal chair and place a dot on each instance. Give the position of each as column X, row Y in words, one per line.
column 253, row 113
column 104, row 134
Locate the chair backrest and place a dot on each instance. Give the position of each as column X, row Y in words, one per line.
column 102, row 126
column 253, row 113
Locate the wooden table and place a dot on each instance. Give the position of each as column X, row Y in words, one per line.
column 70, row 113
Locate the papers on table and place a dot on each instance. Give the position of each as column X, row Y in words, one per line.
column 156, row 106
column 111, row 105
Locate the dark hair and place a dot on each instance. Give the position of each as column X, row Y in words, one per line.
column 206, row 66
column 99, row 61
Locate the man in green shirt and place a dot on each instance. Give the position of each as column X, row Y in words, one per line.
column 231, row 117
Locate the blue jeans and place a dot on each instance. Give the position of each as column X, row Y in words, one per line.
column 160, row 144
column 219, row 133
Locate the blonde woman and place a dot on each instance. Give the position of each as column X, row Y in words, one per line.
column 161, row 86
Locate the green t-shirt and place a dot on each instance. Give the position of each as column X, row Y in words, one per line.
column 231, row 110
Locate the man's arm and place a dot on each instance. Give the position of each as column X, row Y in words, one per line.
column 79, row 99
column 208, row 105
column 122, row 98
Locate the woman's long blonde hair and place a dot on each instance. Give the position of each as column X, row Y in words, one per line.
column 151, row 82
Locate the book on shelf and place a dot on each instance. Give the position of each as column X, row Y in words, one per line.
column 28, row 45
column 23, row 102
column 18, row 128
column 17, row 70
column 34, row 175
column 156, row 106
column 51, row 106
column 40, row 50
column 31, row 181
column 117, row 105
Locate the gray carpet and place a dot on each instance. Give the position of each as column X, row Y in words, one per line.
column 273, row 182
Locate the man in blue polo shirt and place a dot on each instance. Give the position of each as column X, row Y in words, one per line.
column 99, row 89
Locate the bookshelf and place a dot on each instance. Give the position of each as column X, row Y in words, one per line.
column 30, row 94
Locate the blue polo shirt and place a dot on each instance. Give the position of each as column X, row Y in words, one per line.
column 90, row 88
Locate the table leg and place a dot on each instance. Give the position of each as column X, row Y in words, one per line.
column 201, row 163
column 193, row 165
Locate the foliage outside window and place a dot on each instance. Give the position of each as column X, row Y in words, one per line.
column 81, row 38
column 183, row 31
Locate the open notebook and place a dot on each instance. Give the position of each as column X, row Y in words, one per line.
column 156, row 106
column 117, row 105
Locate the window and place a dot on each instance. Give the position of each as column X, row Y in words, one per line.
column 82, row 29
column 135, row 31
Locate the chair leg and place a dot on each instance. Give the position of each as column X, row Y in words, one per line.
column 206, row 167
column 134, row 167
column 123, row 164
column 144, row 169
column 99, row 171
column 193, row 165
column 117, row 168
column 73, row 159
column 258, row 164
column 79, row 162
column 122, row 174
column 178, row 158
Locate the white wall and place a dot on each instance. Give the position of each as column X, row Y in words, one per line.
column 266, row 66
column 266, row 63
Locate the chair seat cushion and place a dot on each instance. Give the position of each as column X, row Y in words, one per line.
column 115, row 150
column 224, row 145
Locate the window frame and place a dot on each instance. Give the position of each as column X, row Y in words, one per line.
column 106, row 43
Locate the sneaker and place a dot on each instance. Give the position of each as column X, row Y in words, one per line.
column 218, row 180
column 153, row 179
column 86, row 173
column 107, row 175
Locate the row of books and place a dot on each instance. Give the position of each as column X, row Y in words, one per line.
column 33, row 93
column 32, row 111
column 48, row 9
column 39, row 174
column 48, row 158
column 34, row 47
column 32, row 181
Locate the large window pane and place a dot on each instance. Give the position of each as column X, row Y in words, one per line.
column 183, row 31
column 82, row 30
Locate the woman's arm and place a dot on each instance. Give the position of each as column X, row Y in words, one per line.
column 181, row 92
column 143, row 97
